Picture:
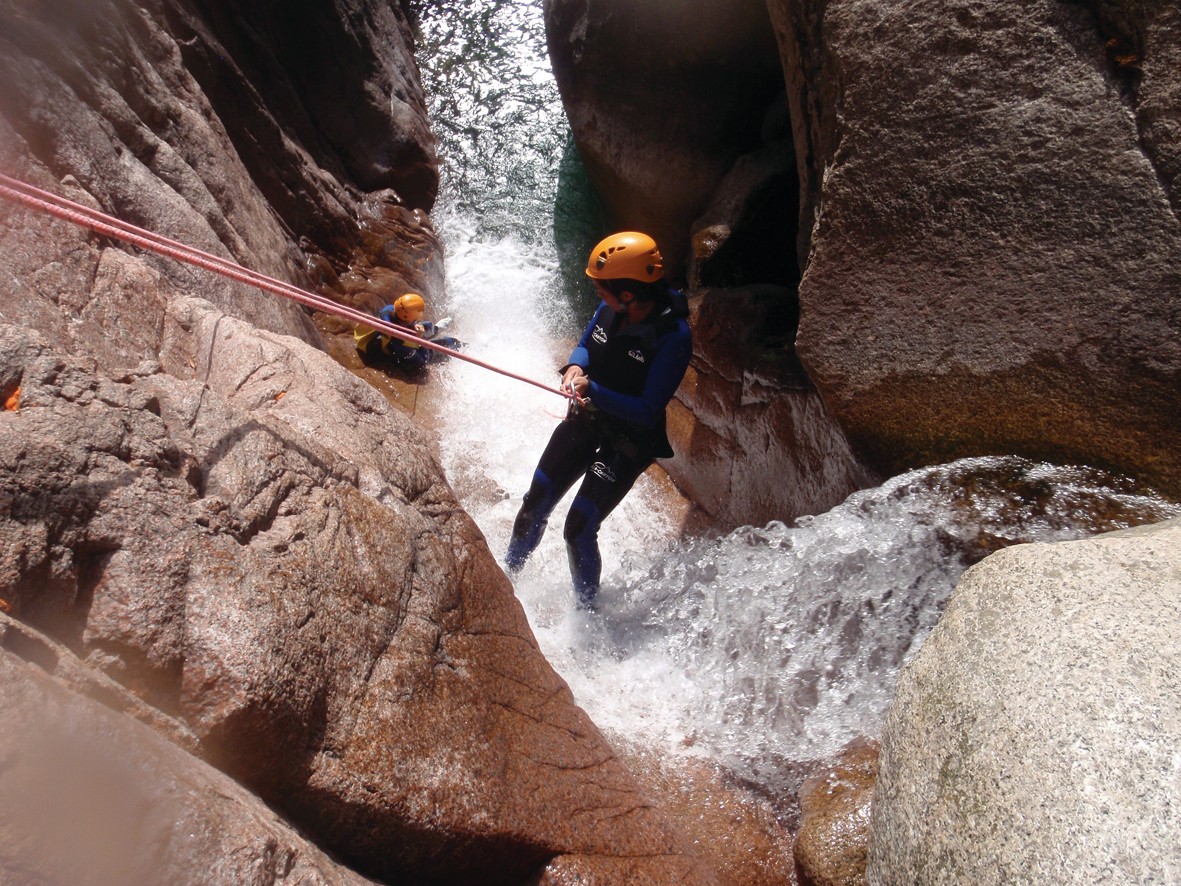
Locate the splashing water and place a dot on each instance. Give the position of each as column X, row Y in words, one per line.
column 793, row 636
column 495, row 110
column 768, row 645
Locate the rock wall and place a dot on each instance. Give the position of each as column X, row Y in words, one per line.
column 263, row 551
column 1033, row 738
column 323, row 104
column 993, row 260
column 174, row 120
column 662, row 96
column 753, row 441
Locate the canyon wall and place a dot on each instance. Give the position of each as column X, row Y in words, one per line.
column 994, row 244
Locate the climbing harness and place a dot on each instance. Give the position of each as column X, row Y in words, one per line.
column 35, row 198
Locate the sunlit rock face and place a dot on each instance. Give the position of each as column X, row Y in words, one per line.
column 263, row 551
column 994, row 257
column 1034, row 736
column 662, row 98
column 835, row 803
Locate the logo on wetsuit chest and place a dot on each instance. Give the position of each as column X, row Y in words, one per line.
column 600, row 335
column 603, row 472
column 637, row 355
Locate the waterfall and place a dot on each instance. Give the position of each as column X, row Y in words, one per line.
column 768, row 645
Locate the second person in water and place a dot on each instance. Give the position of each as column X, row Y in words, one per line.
column 624, row 370
column 404, row 353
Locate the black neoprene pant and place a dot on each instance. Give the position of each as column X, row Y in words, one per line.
column 609, row 464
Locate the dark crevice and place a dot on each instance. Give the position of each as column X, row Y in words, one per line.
column 748, row 241
column 91, row 563
column 1121, row 27
column 1122, row 30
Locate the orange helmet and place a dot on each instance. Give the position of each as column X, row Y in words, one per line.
column 627, row 255
column 410, row 307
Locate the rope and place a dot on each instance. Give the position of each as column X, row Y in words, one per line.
column 35, row 198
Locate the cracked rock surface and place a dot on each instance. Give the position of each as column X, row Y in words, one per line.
column 269, row 558
column 995, row 236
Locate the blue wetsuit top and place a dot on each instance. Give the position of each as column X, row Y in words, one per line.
column 405, row 351
column 635, row 371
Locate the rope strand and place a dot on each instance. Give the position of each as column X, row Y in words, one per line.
column 35, row 198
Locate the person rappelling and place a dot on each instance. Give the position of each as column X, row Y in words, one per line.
column 382, row 349
column 621, row 375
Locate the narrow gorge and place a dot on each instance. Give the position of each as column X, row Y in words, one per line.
column 918, row 542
